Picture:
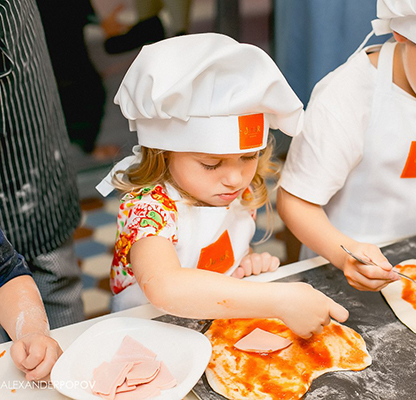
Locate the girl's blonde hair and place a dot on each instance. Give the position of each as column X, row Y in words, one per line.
column 153, row 170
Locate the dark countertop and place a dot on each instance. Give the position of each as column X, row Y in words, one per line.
column 392, row 375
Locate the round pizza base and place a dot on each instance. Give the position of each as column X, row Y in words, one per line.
column 224, row 376
column 393, row 295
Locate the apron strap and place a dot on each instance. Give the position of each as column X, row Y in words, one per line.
column 385, row 66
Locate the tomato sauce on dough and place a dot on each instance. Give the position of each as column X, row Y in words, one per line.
column 408, row 291
column 286, row 373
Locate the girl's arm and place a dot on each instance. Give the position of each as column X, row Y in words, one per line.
column 310, row 224
column 23, row 316
column 193, row 293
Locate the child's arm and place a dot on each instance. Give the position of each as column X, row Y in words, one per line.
column 311, row 226
column 193, row 293
column 23, row 316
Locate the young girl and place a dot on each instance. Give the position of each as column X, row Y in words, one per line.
column 202, row 106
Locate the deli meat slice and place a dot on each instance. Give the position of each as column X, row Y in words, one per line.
column 141, row 392
column 109, row 376
column 125, row 388
column 285, row 374
column 132, row 350
column 133, row 373
column 260, row 341
column 164, row 379
column 143, row 372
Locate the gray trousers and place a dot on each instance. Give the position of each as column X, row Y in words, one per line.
column 58, row 278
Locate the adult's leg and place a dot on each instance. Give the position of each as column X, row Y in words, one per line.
column 58, row 277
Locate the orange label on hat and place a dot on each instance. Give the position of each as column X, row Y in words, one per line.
column 409, row 170
column 218, row 256
column 251, row 131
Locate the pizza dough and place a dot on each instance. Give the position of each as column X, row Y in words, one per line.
column 285, row 374
column 401, row 295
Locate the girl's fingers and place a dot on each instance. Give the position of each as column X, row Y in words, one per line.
column 238, row 273
column 275, row 262
column 256, row 264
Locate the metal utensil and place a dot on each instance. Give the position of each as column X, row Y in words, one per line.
column 373, row 263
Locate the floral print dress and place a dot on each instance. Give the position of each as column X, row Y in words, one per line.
column 146, row 212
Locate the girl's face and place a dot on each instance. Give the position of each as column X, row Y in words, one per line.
column 213, row 179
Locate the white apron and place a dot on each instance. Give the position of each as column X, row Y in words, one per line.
column 211, row 238
column 377, row 205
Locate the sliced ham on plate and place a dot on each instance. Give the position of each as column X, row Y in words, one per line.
column 109, row 376
column 132, row 350
column 141, row 392
column 143, row 372
column 133, row 373
column 164, row 379
column 125, row 388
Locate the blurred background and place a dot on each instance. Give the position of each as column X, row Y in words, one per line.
column 92, row 44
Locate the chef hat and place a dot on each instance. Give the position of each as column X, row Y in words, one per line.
column 398, row 16
column 207, row 93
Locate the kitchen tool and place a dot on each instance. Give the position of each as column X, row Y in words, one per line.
column 373, row 263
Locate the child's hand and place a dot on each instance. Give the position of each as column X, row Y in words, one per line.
column 306, row 310
column 368, row 277
column 255, row 264
column 35, row 354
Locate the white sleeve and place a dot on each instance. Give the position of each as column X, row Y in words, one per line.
column 329, row 147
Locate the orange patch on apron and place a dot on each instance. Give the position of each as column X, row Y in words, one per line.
column 218, row 256
column 409, row 170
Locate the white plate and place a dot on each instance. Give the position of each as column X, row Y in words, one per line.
column 185, row 352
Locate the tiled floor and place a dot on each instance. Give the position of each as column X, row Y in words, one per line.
column 94, row 242
column 94, row 239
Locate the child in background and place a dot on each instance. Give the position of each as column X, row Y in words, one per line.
column 350, row 176
column 202, row 106
column 23, row 316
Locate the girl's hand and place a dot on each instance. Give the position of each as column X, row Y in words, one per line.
column 255, row 264
column 306, row 311
column 368, row 277
column 35, row 354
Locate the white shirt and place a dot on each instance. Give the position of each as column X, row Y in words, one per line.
column 359, row 129
column 331, row 143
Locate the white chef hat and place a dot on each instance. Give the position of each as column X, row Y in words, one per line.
column 398, row 16
column 207, row 93
column 204, row 93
